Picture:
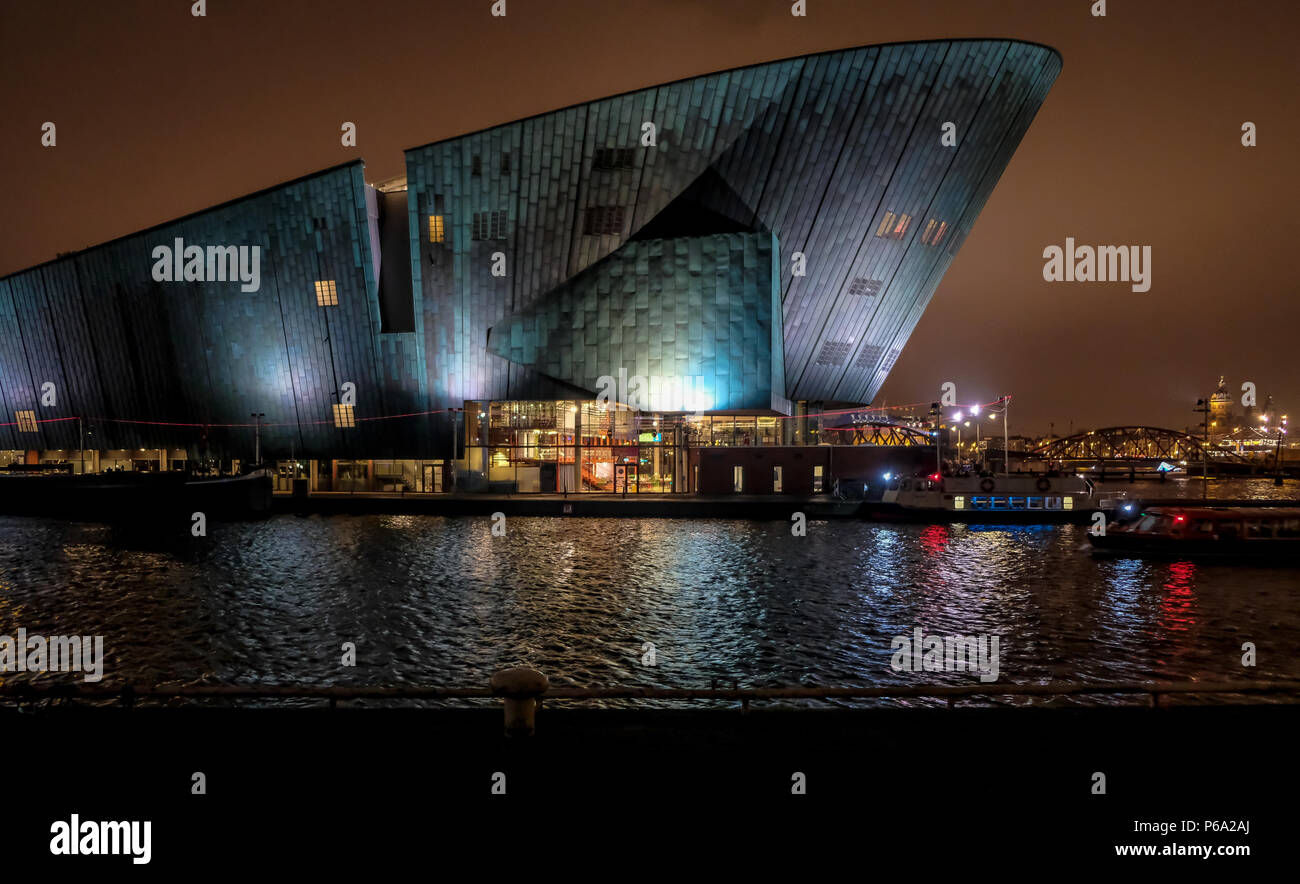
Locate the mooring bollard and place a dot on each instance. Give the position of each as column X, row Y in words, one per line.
column 520, row 687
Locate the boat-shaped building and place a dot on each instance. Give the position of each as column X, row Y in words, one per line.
column 754, row 243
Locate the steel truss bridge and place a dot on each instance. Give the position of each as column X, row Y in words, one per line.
column 1132, row 445
column 877, row 433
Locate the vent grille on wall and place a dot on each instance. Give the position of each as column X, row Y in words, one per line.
column 834, row 352
column 869, row 356
column 864, row 287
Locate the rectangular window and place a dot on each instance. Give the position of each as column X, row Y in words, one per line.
column 435, row 228
column 934, row 232
column 343, row 417
column 326, row 293
column 476, row 166
column 776, row 480
column 738, row 479
column 603, row 221
column 610, row 159
column 819, row 478
column 489, row 225
column 26, row 421
column 505, row 164
column 1256, row 529
column 893, row 226
column 959, row 502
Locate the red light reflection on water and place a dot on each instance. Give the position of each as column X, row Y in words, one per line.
column 1178, row 605
column 934, row 539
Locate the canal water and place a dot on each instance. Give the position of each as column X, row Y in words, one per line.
column 441, row 601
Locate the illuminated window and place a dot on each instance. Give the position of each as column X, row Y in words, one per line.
column 343, row 416
column 326, row 294
column 435, row 228
column 934, row 232
column 818, row 478
column 26, row 421
column 893, row 226
column 603, row 221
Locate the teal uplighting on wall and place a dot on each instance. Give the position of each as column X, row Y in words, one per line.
column 703, row 310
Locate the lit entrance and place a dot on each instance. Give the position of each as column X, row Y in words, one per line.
column 432, row 478
column 625, row 478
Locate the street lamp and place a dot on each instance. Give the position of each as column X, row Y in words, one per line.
column 257, row 437
column 937, row 417
column 1281, row 431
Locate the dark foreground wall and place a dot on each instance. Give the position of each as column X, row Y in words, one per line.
column 990, row 788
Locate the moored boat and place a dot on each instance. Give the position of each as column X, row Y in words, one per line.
column 1014, row 498
column 143, row 498
column 1239, row 532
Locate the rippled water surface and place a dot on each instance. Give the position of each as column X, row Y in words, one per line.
column 441, row 601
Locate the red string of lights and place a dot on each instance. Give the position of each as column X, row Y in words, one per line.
column 152, row 423
column 122, row 420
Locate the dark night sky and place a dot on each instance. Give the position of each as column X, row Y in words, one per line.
column 160, row 114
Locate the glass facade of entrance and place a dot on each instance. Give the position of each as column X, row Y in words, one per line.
column 572, row 446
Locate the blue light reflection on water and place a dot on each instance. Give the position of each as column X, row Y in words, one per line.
column 441, row 601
